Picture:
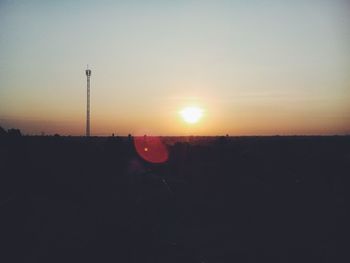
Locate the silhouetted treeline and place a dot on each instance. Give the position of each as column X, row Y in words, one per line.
column 9, row 132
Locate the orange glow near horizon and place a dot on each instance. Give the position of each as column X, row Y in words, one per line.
column 170, row 122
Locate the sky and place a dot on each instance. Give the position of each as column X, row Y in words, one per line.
column 253, row 67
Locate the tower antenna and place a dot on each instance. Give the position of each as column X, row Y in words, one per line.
column 88, row 74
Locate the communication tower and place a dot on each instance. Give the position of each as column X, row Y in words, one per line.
column 88, row 74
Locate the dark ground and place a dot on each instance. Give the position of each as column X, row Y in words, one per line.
column 249, row 199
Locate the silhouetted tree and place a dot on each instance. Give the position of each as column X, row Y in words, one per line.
column 2, row 132
column 14, row 132
column 129, row 138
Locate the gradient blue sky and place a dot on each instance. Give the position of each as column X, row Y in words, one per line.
column 255, row 67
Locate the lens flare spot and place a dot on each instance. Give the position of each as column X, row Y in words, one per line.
column 151, row 149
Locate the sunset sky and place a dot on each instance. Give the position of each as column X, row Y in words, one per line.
column 252, row 67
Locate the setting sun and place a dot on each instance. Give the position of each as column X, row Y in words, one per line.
column 191, row 114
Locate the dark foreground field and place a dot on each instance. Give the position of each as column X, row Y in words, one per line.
column 250, row 199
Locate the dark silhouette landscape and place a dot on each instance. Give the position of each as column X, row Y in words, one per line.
column 212, row 199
